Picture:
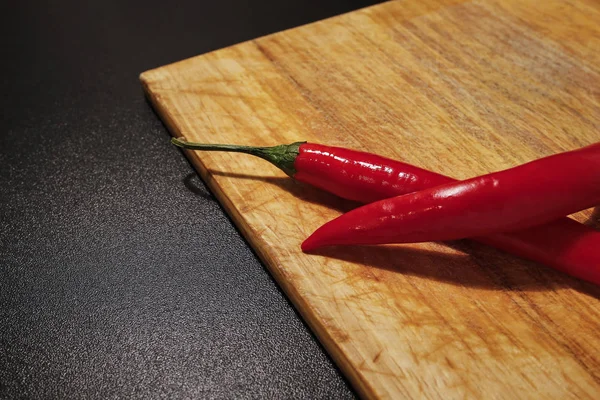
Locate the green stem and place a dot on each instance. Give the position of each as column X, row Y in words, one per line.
column 282, row 156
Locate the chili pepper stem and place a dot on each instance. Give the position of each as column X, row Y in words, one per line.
column 282, row 156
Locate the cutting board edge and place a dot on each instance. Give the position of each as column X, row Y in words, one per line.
column 359, row 382
column 143, row 76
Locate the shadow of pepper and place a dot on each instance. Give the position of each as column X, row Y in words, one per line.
column 302, row 191
column 195, row 185
column 594, row 220
column 476, row 266
column 487, row 267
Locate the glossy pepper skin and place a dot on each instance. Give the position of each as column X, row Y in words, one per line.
column 524, row 196
column 360, row 176
column 563, row 244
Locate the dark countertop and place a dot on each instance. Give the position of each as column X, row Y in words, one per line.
column 120, row 274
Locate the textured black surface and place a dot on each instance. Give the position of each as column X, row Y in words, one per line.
column 120, row 275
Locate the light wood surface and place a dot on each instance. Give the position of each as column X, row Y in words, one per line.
column 462, row 88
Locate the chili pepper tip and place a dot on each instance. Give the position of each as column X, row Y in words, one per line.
column 318, row 238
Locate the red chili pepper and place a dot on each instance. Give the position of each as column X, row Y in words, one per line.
column 505, row 201
column 563, row 244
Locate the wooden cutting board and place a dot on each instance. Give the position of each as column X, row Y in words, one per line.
column 462, row 88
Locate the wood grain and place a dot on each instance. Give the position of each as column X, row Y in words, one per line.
column 462, row 88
